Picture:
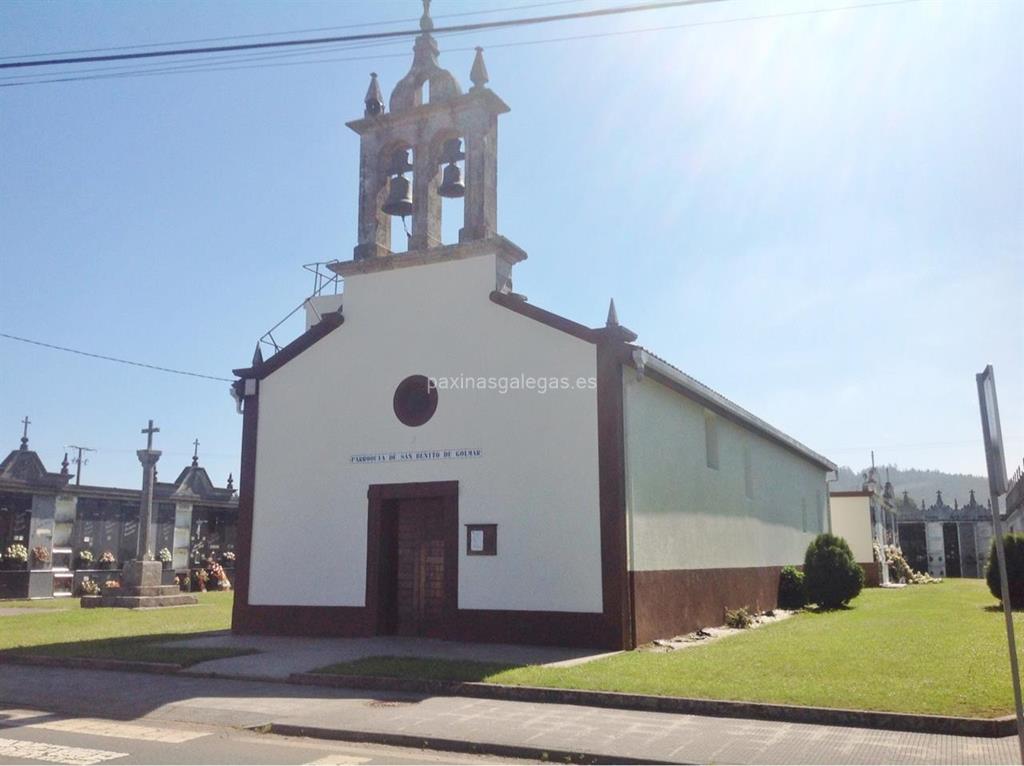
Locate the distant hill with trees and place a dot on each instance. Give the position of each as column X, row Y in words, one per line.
column 919, row 484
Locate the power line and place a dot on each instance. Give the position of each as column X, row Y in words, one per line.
column 208, row 65
column 596, row 13
column 114, row 359
column 290, row 31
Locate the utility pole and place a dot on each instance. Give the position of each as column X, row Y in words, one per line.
column 79, row 462
column 995, row 458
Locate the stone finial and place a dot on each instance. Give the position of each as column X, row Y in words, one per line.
column 956, row 503
column 938, row 497
column 231, row 482
column 257, row 357
column 613, row 316
column 64, row 466
column 478, row 74
column 973, row 501
column 374, row 100
column 425, row 69
column 612, row 330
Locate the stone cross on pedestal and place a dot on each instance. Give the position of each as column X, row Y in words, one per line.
column 142, row 579
column 148, row 458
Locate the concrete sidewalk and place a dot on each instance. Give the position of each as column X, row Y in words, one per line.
column 280, row 656
column 615, row 734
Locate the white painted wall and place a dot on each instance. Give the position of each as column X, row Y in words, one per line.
column 851, row 520
column 537, row 479
column 684, row 515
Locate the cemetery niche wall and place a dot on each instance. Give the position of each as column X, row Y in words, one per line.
column 54, row 534
column 946, row 541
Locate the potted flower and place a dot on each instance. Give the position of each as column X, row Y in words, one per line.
column 218, row 578
column 165, row 557
column 201, row 578
column 85, row 559
column 228, row 557
column 40, row 556
column 88, row 587
column 111, row 584
column 15, row 556
column 107, row 560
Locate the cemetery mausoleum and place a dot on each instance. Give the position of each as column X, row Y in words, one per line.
column 68, row 531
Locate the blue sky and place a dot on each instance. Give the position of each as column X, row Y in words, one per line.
column 819, row 215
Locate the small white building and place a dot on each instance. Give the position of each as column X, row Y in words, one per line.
column 437, row 456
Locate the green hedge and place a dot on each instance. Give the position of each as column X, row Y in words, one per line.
column 792, row 592
column 1013, row 547
column 831, row 576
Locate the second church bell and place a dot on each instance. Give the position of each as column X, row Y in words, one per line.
column 451, row 180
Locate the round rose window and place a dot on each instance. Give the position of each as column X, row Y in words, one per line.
column 415, row 400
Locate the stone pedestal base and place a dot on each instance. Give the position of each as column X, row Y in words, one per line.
column 140, row 589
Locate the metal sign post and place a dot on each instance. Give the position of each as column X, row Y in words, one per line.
column 997, row 486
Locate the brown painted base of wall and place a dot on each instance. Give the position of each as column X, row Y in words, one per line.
column 581, row 629
column 672, row 602
column 585, row 630
column 872, row 574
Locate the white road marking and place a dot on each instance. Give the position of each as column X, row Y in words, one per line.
column 339, row 760
column 101, row 728
column 9, row 715
column 40, row 751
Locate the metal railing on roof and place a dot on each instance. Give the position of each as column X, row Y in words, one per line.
column 325, row 282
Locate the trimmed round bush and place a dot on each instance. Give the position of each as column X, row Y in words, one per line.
column 1013, row 547
column 831, row 576
column 792, row 594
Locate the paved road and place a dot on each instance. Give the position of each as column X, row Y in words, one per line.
column 621, row 735
column 33, row 737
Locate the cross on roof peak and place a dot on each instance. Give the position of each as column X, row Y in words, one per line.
column 149, row 431
column 195, row 452
column 24, row 433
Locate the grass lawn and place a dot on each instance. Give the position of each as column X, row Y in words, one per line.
column 937, row 649
column 124, row 634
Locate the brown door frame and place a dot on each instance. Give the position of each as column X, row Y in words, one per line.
column 378, row 496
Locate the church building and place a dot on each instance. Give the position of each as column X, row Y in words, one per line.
column 454, row 461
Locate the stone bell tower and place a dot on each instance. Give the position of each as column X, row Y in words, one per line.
column 429, row 127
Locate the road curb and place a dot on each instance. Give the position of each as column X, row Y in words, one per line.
column 450, row 745
column 867, row 719
column 1005, row 726
column 91, row 663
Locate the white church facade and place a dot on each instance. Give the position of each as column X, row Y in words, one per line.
column 404, row 445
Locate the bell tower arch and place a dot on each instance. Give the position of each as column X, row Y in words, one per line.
column 432, row 141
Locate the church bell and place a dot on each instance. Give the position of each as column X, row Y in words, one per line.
column 451, row 180
column 399, row 201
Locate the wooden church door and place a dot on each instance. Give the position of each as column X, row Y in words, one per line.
column 420, row 596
